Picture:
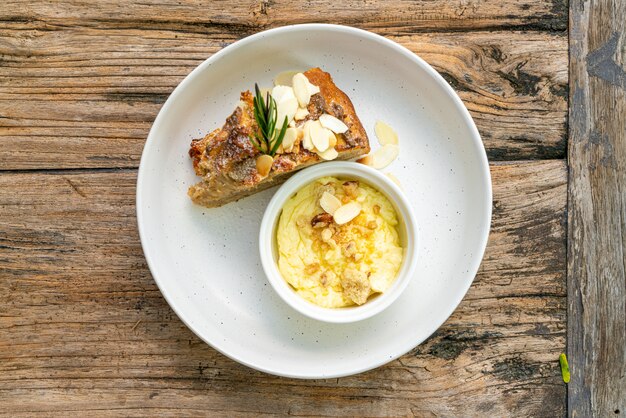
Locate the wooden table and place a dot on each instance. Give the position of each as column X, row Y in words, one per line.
column 83, row 327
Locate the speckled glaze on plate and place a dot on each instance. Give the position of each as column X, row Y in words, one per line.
column 206, row 261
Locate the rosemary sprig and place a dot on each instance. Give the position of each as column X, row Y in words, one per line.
column 266, row 139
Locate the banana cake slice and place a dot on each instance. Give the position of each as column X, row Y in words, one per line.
column 321, row 125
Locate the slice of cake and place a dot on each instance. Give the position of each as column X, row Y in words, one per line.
column 250, row 153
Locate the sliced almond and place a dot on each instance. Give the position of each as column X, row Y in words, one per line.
column 313, row 89
column 367, row 160
column 319, row 136
column 329, row 203
column 329, row 154
column 284, row 78
column 287, row 107
column 385, row 134
column 332, row 139
column 280, row 93
column 384, row 156
column 264, row 164
column 346, row 213
column 332, row 123
column 393, row 178
column 291, row 134
column 301, row 89
column 306, row 136
column 301, row 113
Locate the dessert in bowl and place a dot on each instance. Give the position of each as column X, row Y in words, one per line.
column 338, row 242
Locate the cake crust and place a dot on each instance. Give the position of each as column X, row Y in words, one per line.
column 225, row 158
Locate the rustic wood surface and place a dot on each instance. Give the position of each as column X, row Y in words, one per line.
column 83, row 327
column 67, row 106
column 597, row 209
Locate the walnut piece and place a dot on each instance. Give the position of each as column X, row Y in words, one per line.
column 356, row 285
column 328, row 188
column 321, row 220
column 327, row 278
column 351, row 189
column 349, row 249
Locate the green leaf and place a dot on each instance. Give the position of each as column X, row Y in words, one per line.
column 564, row 367
column 279, row 138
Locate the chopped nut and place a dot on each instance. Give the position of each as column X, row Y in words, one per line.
column 376, row 209
column 325, row 188
column 372, row 224
column 312, row 268
column 321, row 220
column 351, row 188
column 327, row 234
column 264, row 164
column 345, row 199
column 327, row 278
column 355, row 285
column 349, row 249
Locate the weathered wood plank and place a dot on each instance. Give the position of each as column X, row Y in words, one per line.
column 243, row 17
column 83, row 327
column 597, row 209
column 67, row 106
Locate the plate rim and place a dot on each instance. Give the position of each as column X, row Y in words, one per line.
column 458, row 103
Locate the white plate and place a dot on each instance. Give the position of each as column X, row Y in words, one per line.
column 206, row 261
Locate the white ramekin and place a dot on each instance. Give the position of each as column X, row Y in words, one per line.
column 407, row 230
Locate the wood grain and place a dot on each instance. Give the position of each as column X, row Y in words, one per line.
column 597, row 210
column 244, row 17
column 84, row 328
column 67, row 106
